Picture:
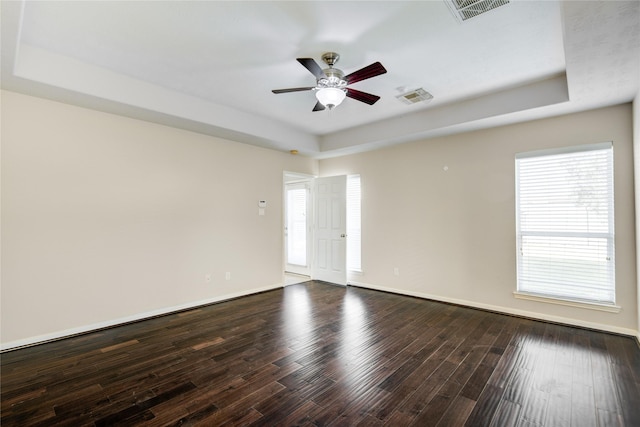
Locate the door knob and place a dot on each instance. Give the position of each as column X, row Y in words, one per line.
column 343, row 235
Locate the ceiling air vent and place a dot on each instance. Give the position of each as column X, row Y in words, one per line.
column 415, row 96
column 467, row 9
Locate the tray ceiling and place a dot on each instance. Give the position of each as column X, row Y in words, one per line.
column 210, row 66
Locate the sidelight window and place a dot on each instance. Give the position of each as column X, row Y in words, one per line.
column 354, row 260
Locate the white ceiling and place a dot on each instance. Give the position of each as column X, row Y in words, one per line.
column 210, row 66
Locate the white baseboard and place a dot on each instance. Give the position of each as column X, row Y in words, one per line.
column 505, row 310
column 40, row 339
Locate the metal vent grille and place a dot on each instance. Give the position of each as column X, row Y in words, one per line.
column 415, row 96
column 467, row 9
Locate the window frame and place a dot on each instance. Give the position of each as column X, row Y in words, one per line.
column 531, row 294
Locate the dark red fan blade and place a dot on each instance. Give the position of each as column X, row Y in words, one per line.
column 292, row 89
column 365, row 97
column 318, row 107
column 312, row 66
column 367, row 72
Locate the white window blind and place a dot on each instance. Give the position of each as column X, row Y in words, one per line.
column 354, row 260
column 565, row 223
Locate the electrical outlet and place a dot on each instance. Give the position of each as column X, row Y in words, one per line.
column 396, row 271
column 207, row 277
column 227, row 275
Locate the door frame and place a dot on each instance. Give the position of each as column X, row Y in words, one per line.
column 294, row 177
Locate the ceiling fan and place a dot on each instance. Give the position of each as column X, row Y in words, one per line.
column 331, row 83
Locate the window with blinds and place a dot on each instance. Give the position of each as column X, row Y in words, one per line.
column 354, row 260
column 565, row 223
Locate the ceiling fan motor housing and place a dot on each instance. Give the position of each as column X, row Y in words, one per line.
column 334, row 78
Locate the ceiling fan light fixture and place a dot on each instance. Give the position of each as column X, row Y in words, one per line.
column 331, row 97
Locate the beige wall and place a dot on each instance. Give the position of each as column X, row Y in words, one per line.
column 452, row 233
column 106, row 218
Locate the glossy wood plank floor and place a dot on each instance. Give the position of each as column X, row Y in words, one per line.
column 316, row 354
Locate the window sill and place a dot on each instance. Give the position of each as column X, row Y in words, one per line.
column 611, row 308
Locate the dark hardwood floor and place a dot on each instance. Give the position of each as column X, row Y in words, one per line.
column 316, row 354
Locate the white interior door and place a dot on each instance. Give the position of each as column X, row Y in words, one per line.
column 330, row 242
column 297, row 228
